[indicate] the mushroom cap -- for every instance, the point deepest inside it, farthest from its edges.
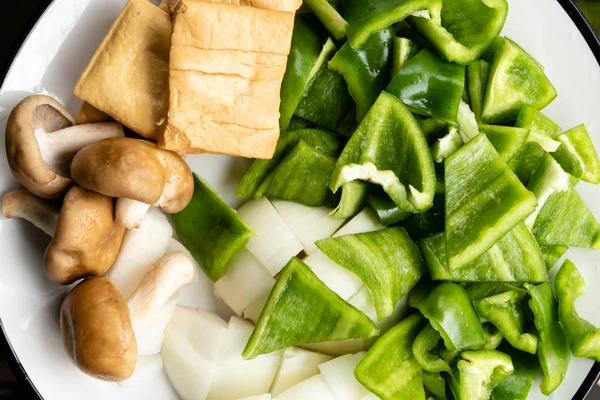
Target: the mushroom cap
(87, 239)
(22, 149)
(97, 332)
(135, 169)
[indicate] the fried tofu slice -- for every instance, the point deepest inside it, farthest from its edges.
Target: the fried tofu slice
(226, 67)
(280, 5)
(88, 114)
(128, 76)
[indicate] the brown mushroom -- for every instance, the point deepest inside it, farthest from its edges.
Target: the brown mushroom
(138, 173)
(97, 332)
(85, 237)
(41, 141)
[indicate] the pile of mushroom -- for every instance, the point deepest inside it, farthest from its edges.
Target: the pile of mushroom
(72, 173)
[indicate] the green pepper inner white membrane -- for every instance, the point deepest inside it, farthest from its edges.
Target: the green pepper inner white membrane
(394, 243)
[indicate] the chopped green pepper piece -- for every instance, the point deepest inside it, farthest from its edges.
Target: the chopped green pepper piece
(426, 341)
(329, 17)
(404, 50)
(389, 149)
(389, 369)
(260, 169)
(552, 253)
(447, 145)
(211, 230)
(365, 69)
(553, 349)
(365, 17)
(519, 383)
(515, 79)
(484, 201)
(507, 141)
(477, 373)
(577, 154)
(435, 383)
(493, 337)
(299, 123)
(300, 310)
(514, 258)
(448, 308)
(464, 29)
(480, 291)
(351, 201)
(387, 261)
(505, 312)
(583, 336)
(302, 177)
(423, 225)
(387, 211)
(477, 76)
(430, 86)
(433, 128)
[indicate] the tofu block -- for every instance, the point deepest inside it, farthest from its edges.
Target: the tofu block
(88, 114)
(128, 76)
(226, 67)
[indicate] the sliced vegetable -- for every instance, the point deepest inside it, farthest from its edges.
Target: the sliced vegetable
(423, 350)
(365, 68)
(507, 141)
(365, 17)
(466, 122)
(315, 387)
(339, 375)
(423, 225)
(553, 349)
(352, 199)
(515, 79)
(505, 311)
(211, 230)
(477, 76)
(387, 261)
(387, 211)
(337, 278)
(449, 310)
(493, 337)
(329, 17)
(477, 373)
(552, 253)
(432, 128)
(447, 145)
(435, 383)
(577, 154)
(583, 336)
(365, 221)
(297, 365)
(404, 50)
(463, 30)
(514, 258)
(389, 369)
(300, 310)
(518, 384)
(484, 201)
(430, 86)
(389, 149)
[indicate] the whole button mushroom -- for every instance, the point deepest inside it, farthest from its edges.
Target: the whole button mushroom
(97, 332)
(138, 173)
(85, 237)
(41, 141)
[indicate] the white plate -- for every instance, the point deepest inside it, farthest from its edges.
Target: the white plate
(52, 58)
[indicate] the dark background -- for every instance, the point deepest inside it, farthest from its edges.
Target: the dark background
(16, 18)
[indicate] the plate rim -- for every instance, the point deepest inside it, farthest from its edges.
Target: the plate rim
(25, 383)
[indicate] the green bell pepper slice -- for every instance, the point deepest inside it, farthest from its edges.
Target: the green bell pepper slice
(446, 145)
(435, 383)
(297, 123)
(484, 201)
(480, 291)
(464, 29)
(514, 258)
(508, 141)
(387, 211)
(260, 169)
(449, 310)
(329, 17)
(518, 384)
(211, 230)
(553, 349)
(477, 76)
(300, 310)
(389, 369)
(389, 149)
(493, 337)
(387, 261)
(505, 311)
(541, 140)
(583, 336)
(420, 226)
(351, 201)
(365, 17)
(477, 373)
(404, 50)
(433, 128)
(301, 177)
(430, 86)
(552, 253)
(423, 350)
(515, 79)
(365, 68)
(577, 154)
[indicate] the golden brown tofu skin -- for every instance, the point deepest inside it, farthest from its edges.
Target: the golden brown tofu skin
(226, 67)
(279, 5)
(88, 114)
(128, 76)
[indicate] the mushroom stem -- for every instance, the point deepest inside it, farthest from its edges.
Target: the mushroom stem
(160, 283)
(41, 213)
(130, 213)
(59, 147)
